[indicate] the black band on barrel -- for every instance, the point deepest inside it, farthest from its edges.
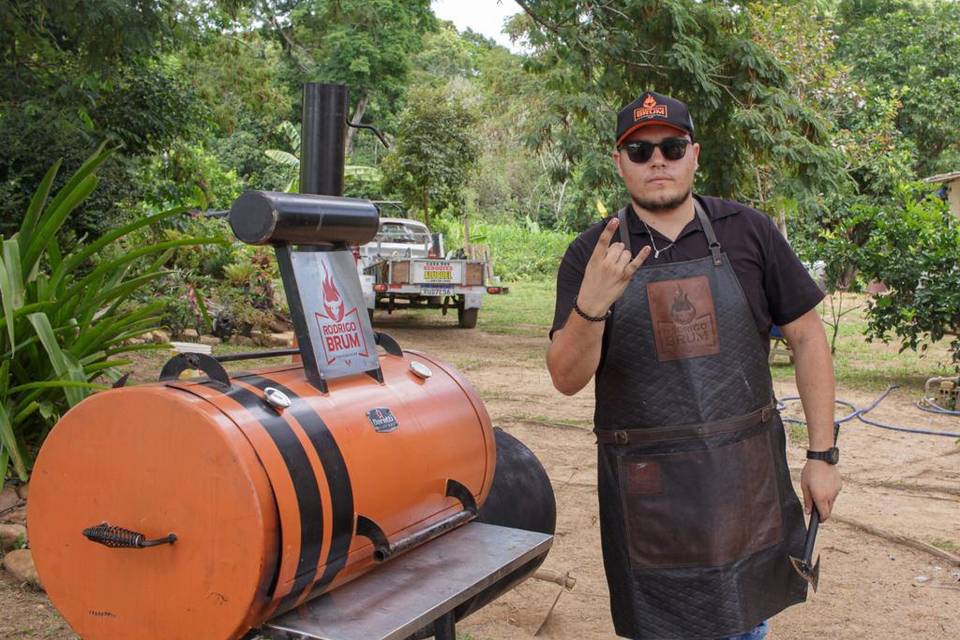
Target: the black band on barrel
(301, 474)
(338, 480)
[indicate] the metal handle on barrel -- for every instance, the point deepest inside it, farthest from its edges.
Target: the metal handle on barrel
(120, 538)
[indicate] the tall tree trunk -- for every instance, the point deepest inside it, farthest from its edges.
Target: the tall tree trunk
(782, 223)
(357, 117)
(559, 208)
(426, 207)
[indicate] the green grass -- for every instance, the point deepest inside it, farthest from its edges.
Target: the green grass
(861, 365)
(797, 433)
(943, 544)
(873, 366)
(534, 418)
(527, 310)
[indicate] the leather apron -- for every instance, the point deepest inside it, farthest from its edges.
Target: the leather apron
(698, 515)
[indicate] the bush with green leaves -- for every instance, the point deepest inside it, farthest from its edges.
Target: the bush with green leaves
(911, 245)
(186, 175)
(68, 315)
(520, 250)
(915, 250)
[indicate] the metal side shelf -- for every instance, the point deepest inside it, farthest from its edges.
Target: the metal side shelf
(419, 588)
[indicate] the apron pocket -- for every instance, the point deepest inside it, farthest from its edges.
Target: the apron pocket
(705, 503)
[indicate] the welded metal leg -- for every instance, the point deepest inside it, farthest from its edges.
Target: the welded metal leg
(443, 628)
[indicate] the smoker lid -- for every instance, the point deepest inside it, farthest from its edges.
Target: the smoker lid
(154, 460)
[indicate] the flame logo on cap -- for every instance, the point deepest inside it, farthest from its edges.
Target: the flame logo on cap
(650, 109)
(332, 302)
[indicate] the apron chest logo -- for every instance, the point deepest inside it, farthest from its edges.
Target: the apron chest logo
(684, 318)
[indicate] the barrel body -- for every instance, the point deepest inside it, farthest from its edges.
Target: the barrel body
(263, 500)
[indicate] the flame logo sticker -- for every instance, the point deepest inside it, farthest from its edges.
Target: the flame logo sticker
(332, 301)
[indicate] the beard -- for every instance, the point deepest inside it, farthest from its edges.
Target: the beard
(665, 202)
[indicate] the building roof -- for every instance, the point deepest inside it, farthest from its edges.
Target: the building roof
(943, 177)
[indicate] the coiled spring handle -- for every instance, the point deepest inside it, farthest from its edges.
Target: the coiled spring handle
(120, 538)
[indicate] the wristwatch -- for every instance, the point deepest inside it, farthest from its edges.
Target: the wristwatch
(830, 456)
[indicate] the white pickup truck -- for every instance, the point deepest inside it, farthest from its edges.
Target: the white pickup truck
(405, 267)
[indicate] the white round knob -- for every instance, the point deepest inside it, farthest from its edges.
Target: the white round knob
(420, 370)
(276, 398)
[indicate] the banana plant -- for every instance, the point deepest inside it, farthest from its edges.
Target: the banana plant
(288, 159)
(66, 317)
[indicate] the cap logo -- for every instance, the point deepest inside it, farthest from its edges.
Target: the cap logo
(650, 109)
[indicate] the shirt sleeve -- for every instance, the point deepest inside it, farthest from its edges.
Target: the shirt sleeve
(791, 292)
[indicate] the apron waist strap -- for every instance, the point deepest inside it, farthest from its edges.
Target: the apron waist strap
(634, 436)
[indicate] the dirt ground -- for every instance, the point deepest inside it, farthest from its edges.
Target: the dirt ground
(870, 586)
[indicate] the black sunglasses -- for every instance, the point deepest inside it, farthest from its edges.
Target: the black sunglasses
(641, 151)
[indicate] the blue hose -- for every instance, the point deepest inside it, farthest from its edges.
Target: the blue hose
(929, 407)
(859, 415)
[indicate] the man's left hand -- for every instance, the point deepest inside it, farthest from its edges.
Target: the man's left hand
(820, 483)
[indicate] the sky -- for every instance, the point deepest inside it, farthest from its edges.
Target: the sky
(483, 16)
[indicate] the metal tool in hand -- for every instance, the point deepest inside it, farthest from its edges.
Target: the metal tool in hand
(802, 565)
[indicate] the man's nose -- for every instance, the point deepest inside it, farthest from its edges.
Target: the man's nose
(658, 158)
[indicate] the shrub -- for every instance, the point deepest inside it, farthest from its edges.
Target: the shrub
(913, 247)
(915, 250)
(520, 251)
(67, 315)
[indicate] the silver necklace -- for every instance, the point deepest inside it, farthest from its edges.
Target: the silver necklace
(653, 245)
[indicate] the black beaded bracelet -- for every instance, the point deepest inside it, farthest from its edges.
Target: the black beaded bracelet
(590, 318)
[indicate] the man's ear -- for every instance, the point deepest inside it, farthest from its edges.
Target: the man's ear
(696, 155)
(616, 161)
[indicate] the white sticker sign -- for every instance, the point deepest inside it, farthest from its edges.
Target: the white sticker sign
(340, 332)
(438, 272)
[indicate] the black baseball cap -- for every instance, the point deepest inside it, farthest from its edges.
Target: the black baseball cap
(653, 108)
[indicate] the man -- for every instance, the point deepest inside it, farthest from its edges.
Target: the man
(669, 304)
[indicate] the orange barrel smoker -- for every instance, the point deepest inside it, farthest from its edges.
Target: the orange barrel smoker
(199, 509)
(268, 503)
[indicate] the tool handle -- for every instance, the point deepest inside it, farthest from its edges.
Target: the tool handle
(811, 539)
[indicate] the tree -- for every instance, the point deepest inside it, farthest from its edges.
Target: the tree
(364, 44)
(911, 243)
(75, 72)
(434, 152)
(602, 55)
(510, 180)
(908, 52)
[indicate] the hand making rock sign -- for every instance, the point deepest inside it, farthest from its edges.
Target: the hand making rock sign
(608, 272)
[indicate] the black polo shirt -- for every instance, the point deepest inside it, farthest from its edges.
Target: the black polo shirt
(777, 286)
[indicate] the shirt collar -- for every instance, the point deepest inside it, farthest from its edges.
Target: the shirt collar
(716, 208)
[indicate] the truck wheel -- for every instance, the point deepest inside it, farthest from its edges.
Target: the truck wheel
(467, 317)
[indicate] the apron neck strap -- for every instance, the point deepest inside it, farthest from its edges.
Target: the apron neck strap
(624, 231)
(708, 230)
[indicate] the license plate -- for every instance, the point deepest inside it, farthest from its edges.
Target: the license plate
(436, 290)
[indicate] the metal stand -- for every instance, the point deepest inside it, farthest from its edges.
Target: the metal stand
(415, 590)
(445, 628)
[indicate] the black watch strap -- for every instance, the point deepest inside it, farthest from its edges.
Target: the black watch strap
(830, 456)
